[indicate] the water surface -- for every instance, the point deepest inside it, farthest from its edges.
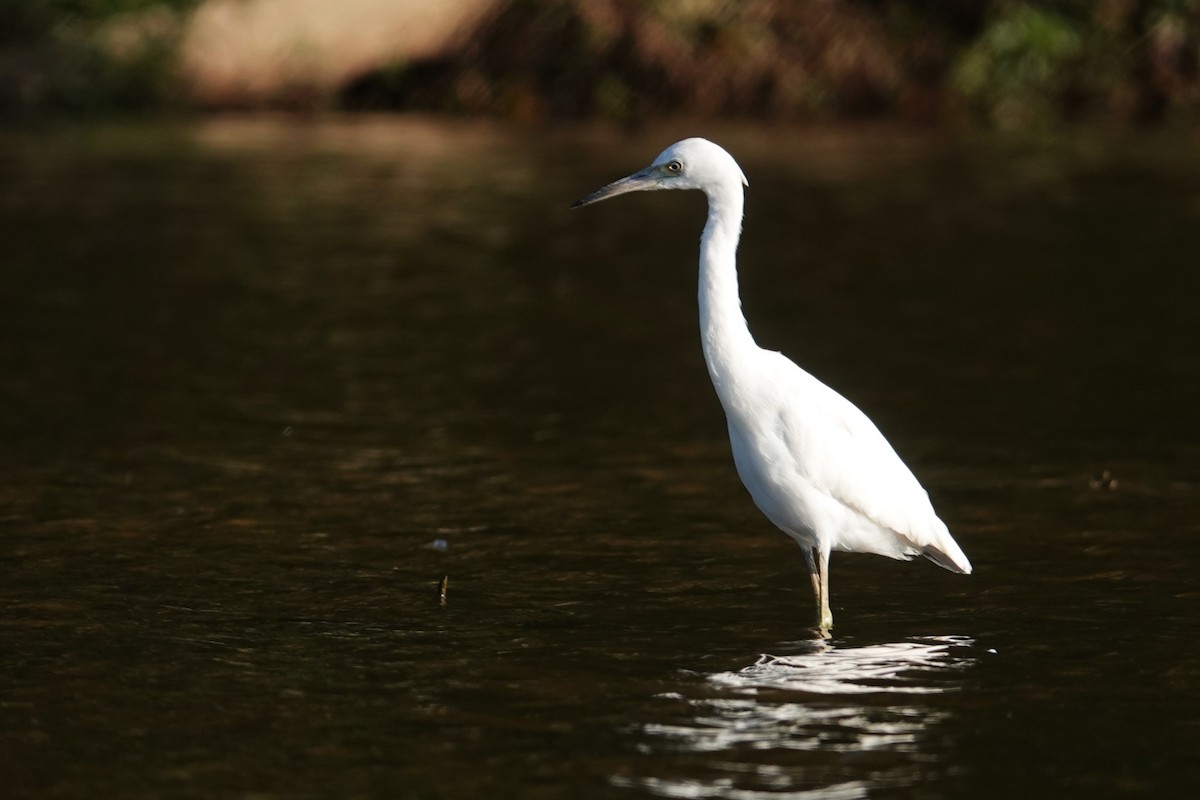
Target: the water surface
(263, 384)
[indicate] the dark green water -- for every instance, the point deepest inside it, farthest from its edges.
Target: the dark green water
(263, 384)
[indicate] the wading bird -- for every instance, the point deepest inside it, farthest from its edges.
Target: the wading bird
(815, 465)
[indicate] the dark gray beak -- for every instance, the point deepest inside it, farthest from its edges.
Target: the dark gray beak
(637, 182)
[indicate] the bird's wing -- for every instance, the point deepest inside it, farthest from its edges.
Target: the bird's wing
(840, 451)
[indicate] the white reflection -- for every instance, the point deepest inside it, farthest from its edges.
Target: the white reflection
(852, 790)
(831, 723)
(895, 668)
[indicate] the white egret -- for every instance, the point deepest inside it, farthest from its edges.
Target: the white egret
(814, 463)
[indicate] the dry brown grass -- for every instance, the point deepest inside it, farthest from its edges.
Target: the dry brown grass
(238, 53)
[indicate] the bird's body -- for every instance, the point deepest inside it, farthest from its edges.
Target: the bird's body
(814, 464)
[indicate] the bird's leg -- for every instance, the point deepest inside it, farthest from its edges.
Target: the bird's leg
(826, 614)
(810, 558)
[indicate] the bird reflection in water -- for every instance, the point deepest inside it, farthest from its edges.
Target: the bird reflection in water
(825, 722)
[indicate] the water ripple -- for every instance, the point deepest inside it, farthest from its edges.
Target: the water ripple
(769, 729)
(895, 668)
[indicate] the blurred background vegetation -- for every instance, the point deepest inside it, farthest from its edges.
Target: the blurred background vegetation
(1008, 63)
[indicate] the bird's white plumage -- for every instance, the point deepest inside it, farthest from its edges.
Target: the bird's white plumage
(814, 464)
(820, 470)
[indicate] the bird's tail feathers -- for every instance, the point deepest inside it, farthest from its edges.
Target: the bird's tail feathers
(951, 558)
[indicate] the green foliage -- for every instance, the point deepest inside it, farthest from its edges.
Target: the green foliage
(1035, 63)
(89, 79)
(1021, 64)
(75, 61)
(31, 20)
(1016, 63)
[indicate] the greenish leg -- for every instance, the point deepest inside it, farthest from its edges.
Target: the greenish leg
(818, 573)
(823, 592)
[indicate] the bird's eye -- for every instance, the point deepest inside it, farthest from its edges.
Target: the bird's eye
(674, 166)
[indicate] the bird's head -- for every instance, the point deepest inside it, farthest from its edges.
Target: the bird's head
(690, 164)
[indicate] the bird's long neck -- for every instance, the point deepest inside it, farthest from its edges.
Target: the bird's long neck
(724, 336)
